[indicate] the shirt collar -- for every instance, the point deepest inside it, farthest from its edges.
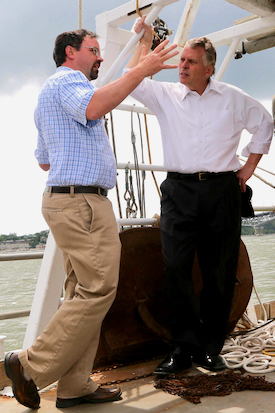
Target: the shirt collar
(212, 85)
(61, 68)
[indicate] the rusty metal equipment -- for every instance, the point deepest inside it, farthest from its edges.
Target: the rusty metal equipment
(136, 326)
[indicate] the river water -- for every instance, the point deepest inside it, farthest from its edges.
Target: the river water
(18, 281)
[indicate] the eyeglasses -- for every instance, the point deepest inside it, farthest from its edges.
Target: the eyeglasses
(93, 49)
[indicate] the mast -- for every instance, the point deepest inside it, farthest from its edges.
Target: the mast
(273, 109)
(80, 14)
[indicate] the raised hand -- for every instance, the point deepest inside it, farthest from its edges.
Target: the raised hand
(154, 62)
(148, 33)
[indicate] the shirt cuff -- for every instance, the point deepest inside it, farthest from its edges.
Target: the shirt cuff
(256, 147)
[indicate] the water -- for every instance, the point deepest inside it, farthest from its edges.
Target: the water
(261, 251)
(18, 281)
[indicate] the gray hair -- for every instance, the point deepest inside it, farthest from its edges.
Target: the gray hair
(210, 51)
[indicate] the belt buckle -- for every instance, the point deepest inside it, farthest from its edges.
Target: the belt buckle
(201, 176)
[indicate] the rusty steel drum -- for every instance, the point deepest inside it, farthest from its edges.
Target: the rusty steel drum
(136, 325)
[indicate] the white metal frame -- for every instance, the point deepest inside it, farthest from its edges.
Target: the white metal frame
(112, 38)
(116, 44)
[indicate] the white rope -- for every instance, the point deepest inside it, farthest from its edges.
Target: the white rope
(259, 363)
(261, 304)
(247, 350)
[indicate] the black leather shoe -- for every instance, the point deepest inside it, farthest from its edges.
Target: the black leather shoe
(209, 362)
(101, 395)
(25, 391)
(173, 363)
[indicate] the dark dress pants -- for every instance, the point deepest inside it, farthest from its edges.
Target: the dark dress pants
(202, 216)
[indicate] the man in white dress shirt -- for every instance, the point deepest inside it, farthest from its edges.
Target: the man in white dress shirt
(201, 123)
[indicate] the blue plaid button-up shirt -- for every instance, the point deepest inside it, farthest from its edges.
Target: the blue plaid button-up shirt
(77, 150)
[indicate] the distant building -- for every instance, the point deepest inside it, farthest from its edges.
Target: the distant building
(40, 246)
(10, 245)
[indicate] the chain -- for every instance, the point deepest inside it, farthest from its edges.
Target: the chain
(127, 194)
(131, 208)
(137, 377)
(134, 207)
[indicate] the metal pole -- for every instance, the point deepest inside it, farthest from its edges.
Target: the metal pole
(273, 109)
(80, 14)
(128, 48)
(186, 22)
(142, 167)
(227, 59)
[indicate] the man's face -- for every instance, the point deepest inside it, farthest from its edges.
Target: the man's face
(86, 59)
(193, 71)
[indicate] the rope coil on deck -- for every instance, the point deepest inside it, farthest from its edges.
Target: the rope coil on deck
(252, 351)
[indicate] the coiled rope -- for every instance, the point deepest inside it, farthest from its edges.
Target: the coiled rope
(252, 350)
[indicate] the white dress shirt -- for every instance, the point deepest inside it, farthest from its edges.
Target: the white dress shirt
(201, 133)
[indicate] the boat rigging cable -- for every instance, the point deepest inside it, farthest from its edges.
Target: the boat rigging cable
(131, 208)
(114, 148)
(143, 173)
(140, 190)
(149, 153)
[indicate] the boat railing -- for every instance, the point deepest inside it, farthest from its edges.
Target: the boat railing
(22, 256)
(15, 314)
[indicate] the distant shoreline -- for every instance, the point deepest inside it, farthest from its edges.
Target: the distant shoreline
(30, 250)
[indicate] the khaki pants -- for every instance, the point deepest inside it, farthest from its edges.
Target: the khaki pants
(84, 227)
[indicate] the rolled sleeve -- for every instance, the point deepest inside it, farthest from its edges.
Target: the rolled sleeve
(260, 123)
(256, 147)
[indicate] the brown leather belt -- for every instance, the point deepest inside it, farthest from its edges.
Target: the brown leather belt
(199, 176)
(77, 190)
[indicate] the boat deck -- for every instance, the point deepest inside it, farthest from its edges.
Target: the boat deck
(139, 395)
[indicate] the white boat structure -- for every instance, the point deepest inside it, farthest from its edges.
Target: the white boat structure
(248, 35)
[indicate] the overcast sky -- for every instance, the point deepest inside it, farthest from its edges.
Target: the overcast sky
(28, 30)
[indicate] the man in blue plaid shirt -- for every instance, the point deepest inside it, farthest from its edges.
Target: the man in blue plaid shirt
(73, 147)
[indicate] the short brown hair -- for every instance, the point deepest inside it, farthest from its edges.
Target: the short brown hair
(74, 39)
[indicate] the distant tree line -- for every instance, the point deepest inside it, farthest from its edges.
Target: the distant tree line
(33, 239)
(41, 237)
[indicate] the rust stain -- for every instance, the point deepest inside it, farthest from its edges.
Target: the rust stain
(182, 43)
